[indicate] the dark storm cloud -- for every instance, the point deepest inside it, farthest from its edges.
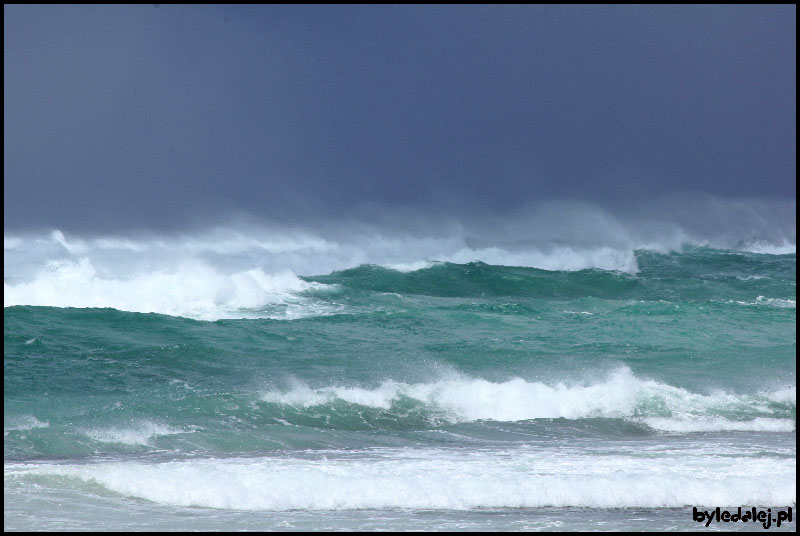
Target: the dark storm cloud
(150, 116)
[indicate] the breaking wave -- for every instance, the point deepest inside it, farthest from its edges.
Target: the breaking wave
(620, 395)
(442, 479)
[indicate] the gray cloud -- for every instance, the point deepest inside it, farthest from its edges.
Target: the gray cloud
(136, 116)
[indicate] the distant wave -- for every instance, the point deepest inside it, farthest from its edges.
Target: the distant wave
(228, 272)
(309, 254)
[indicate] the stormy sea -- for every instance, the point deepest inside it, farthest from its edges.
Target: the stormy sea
(286, 380)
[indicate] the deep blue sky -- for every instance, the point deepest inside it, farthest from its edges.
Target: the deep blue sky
(143, 116)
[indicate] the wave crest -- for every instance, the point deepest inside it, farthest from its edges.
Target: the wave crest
(193, 289)
(621, 395)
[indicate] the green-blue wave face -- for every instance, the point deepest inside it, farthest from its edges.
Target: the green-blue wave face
(697, 341)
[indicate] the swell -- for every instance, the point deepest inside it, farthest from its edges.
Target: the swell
(479, 279)
(696, 274)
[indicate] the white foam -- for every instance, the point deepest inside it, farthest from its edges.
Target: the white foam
(24, 422)
(776, 302)
(303, 396)
(620, 395)
(140, 434)
(446, 479)
(192, 289)
(785, 395)
(761, 301)
(769, 248)
(409, 266)
(717, 424)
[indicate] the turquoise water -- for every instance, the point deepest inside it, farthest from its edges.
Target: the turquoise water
(444, 396)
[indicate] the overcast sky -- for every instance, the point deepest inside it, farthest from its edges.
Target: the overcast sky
(123, 117)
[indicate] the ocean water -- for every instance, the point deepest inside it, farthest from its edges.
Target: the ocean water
(297, 383)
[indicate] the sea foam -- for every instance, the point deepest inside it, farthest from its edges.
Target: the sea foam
(23, 422)
(192, 289)
(444, 479)
(142, 433)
